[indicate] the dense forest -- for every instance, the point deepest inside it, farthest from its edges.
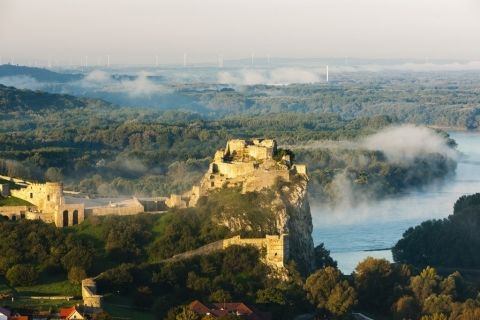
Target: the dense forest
(103, 150)
(445, 99)
(126, 253)
(451, 242)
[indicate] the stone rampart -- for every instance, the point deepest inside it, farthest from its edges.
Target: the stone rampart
(89, 294)
(15, 212)
(276, 248)
(234, 169)
(47, 197)
(133, 207)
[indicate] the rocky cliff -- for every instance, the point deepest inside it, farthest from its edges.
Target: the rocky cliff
(298, 224)
(255, 189)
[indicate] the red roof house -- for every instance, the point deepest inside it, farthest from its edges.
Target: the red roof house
(71, 313)
(217, 310)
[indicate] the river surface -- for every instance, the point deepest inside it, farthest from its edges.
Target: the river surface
(351, 234)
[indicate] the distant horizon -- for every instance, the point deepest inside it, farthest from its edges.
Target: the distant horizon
(259, 62)
(136, 32)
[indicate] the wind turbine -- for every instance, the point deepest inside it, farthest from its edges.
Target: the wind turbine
(327, 72)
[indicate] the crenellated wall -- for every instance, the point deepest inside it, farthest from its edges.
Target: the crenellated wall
(50, 204)
(47, 197)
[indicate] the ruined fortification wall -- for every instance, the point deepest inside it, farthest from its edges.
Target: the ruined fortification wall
(235, 169)
(276, 248)
(260, 153)
(89, 294)
(15, 212)
(176, 200)
(135, 207)
(69, 215)
(47, 197)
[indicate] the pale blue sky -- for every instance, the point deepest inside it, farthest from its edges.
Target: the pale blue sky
(135, 31)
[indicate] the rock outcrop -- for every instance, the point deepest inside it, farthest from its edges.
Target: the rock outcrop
(277, 189)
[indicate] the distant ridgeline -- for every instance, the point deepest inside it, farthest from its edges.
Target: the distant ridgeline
(458, 102)
(39, 74)
(13, 100)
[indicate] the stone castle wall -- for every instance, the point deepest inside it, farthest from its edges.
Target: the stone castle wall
(50, 203)
(232, 170)
(135, 207)
(248, 164)
(15, 212)
(47, 197)
(277, 248)
(89, 294)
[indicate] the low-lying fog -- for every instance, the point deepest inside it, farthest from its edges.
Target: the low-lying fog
(144, 85)
(350, 230)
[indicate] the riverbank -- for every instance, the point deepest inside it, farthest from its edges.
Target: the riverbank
(348, 231)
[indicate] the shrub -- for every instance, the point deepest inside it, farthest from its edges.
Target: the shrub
(22, 275)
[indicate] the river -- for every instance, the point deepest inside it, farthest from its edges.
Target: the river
(351, 234)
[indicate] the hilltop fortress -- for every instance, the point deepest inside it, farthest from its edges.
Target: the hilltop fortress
(251, 165)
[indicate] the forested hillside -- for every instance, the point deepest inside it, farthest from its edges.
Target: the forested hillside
(39, 74)
(18, 102)
(142, 152)
(452, 242)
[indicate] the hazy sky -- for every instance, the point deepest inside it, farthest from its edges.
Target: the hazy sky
(137, 30)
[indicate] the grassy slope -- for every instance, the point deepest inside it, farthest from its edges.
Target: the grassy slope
(49, 286)
(13, 201)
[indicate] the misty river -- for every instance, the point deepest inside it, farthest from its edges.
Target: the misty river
(351, 234)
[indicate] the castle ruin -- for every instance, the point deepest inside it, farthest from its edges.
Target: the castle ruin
(250, 164)
(276, 248)
(47, 202)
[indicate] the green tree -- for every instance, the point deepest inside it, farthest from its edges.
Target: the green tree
(220, 295)
(22, 275)
(53, 175)
(323, 258)
(271, 296)
(436, 316)
(425, 284)
(327, 291)
(406, 308)
(342, 298)
(375, 278)
(76, 275)
(78, 256)
(186, 314)
(435, 304)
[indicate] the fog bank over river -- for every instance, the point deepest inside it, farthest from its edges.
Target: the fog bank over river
(355, 233)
